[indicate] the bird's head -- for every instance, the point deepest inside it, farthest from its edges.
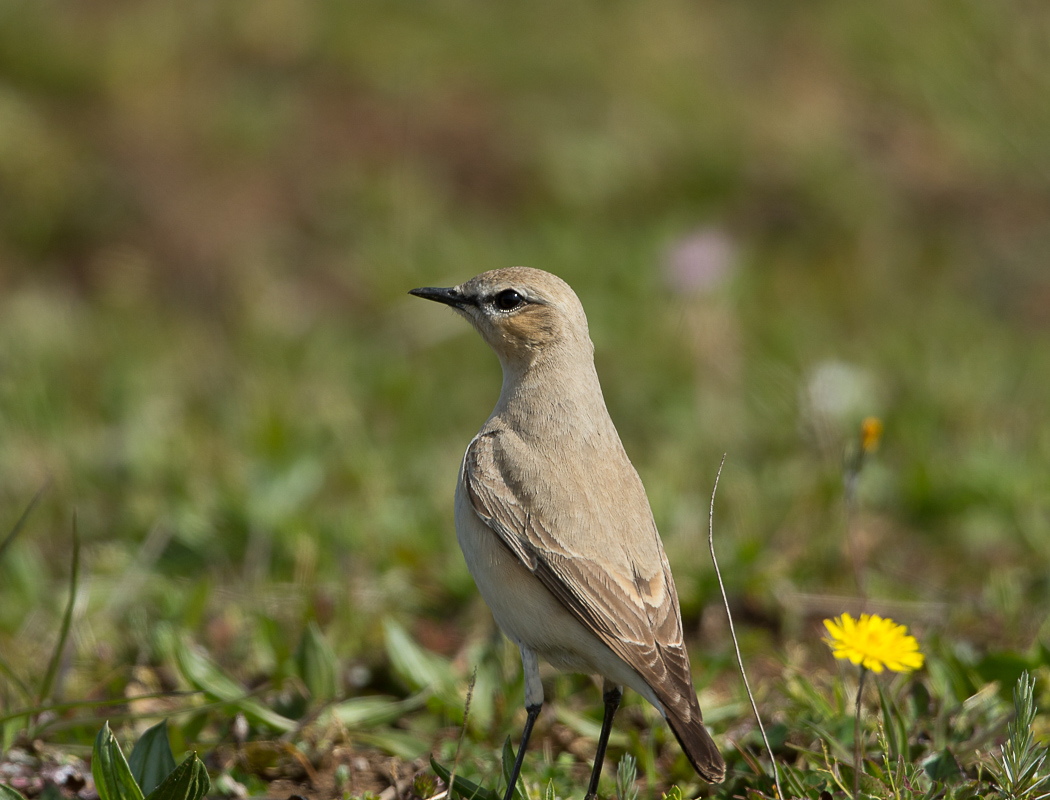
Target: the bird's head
(524, 314)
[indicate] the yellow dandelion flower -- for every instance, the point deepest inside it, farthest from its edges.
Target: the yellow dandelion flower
(874, 643)
(870, 434)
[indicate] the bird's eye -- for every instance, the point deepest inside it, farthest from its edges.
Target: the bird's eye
(508, 300)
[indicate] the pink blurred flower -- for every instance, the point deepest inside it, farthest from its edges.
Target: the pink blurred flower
(700, 261)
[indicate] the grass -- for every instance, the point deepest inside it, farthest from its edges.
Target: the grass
(780, 221)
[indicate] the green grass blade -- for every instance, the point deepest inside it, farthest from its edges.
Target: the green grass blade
(74, 704)
(151, 759)
(113, 778)
(67, 620)
(21, 523)
(188, 781)
(18, 683)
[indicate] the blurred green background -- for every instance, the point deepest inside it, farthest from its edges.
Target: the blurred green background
(781, 218)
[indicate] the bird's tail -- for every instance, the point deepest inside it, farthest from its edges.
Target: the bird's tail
(697, 744)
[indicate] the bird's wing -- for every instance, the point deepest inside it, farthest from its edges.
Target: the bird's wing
(638, 618)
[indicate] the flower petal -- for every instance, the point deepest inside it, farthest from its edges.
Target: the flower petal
(874, 642)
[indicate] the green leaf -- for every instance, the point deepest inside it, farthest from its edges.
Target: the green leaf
(417, 667)
(464, 788)
(1019, 768)
(627, 778)
(206, 676)
(942, 767)
(7, 793)
(587, 727)
(317, 665)
(1004, 667)
(113, 778)
(9, 730)
(893, 725)
(368, 712)
(151, 760)
(508, 766)
(840, 751)
(1043, 657)
(398, 743)
(189, 781)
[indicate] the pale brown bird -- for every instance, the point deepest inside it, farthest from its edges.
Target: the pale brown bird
(554, 522)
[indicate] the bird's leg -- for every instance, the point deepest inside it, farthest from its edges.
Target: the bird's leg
(533, 704)
(612, 695)
(533, 712)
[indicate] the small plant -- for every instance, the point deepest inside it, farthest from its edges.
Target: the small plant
(626, 775)
(1019, 769)
(875, 644)
(150, 773)
(674, 793)
(424, 785)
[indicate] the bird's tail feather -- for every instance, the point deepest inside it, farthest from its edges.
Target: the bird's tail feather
(698, 746)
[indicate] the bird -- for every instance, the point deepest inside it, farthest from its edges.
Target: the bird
(554, 523)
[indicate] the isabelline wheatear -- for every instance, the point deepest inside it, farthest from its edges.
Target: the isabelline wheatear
(554, 522)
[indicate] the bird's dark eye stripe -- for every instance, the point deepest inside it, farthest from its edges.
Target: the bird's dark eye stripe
(507, 300)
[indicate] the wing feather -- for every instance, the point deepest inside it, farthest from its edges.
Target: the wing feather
(638, 618)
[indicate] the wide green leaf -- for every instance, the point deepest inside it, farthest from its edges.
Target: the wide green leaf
(317, 665)
(402, 744)
(417, 667)
(942, 767)
(464, 788)
(508, 766)
(370, 711)
(587, 727)
(189, 781)
(206, 676)
(109, 768)
(151, 759)
(7, 793)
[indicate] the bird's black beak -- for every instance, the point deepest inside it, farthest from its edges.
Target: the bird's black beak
(450, 297)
